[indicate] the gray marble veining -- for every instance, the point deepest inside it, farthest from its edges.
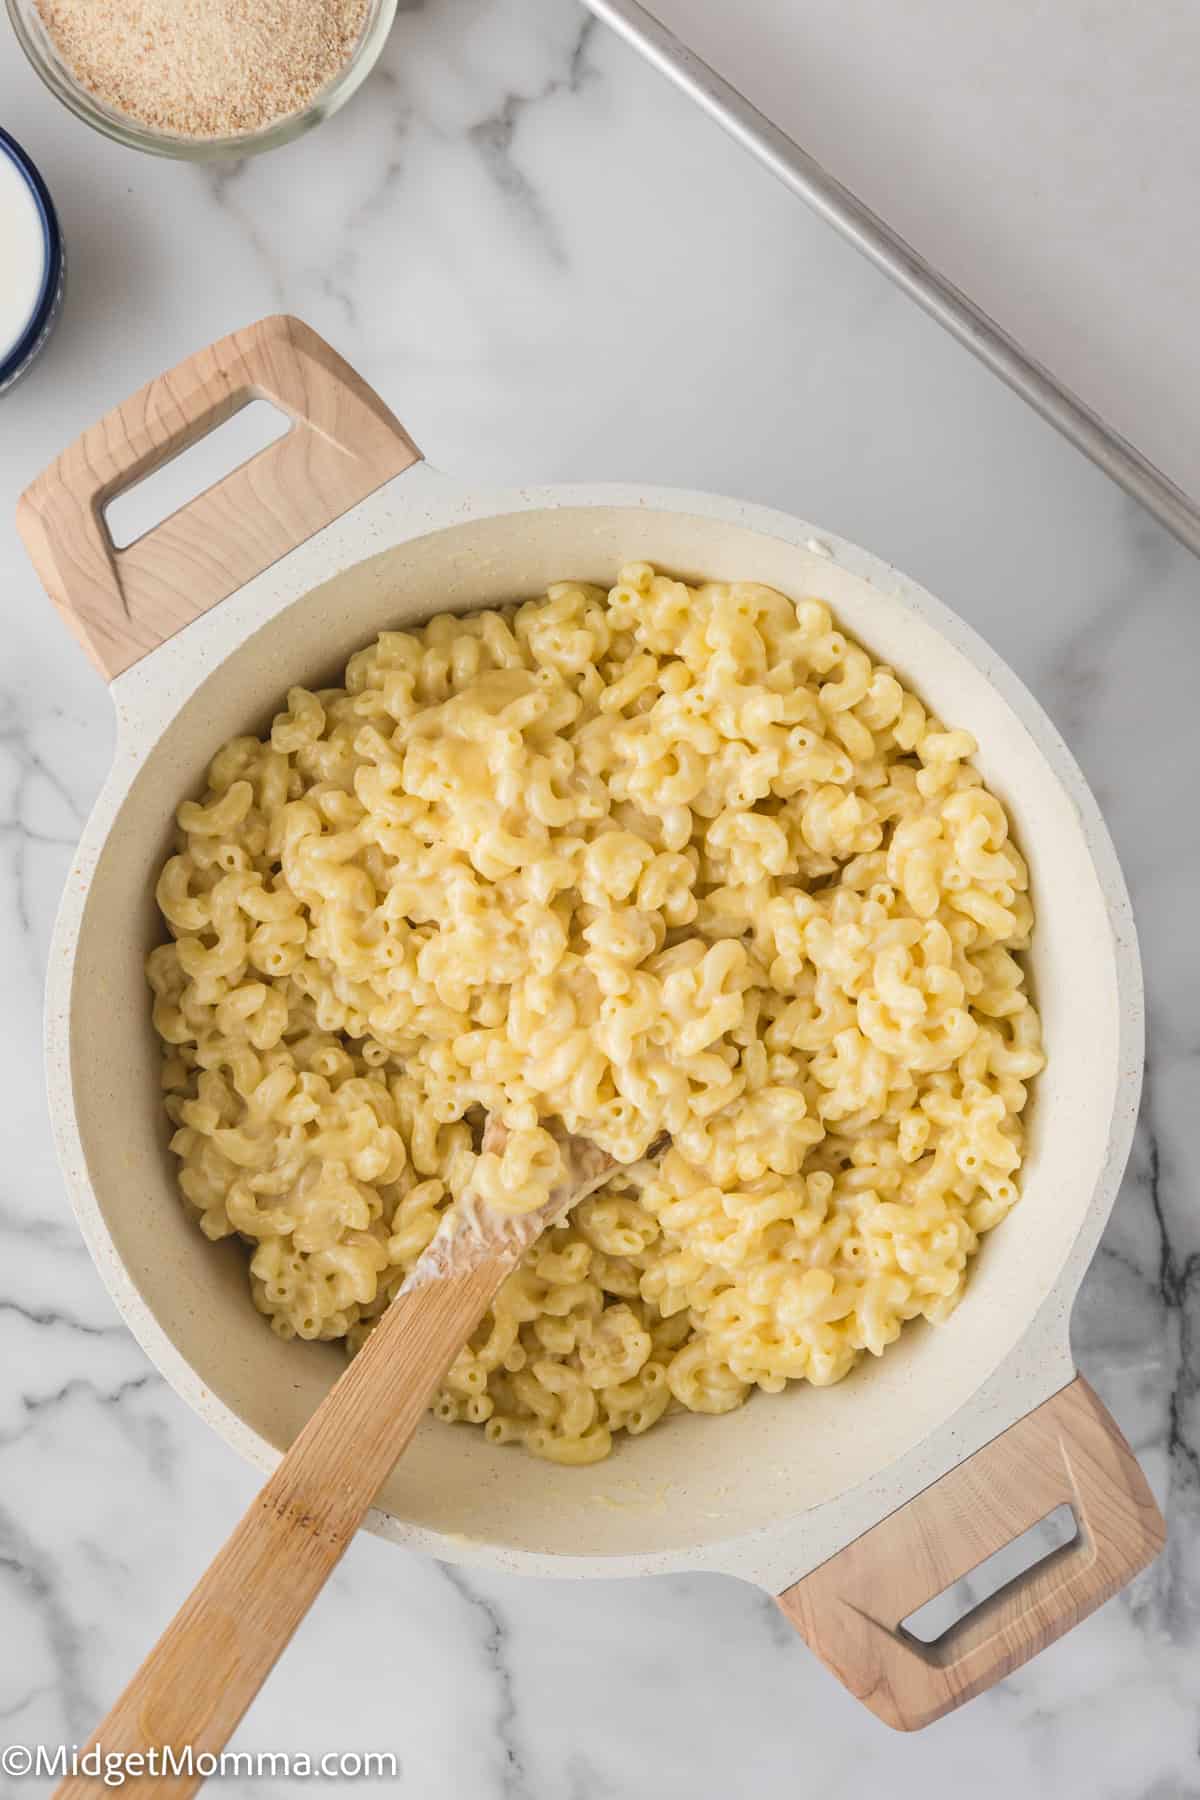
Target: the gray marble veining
(553, 269)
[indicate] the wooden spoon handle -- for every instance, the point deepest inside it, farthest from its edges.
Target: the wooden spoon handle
(210, 1662)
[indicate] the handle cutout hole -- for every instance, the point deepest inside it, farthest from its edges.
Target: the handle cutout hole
(933, 1620)
(166, 491)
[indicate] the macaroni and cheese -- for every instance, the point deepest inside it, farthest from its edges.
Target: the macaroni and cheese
(669, 858)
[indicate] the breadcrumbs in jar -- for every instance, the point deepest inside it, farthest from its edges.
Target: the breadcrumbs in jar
(204, 68)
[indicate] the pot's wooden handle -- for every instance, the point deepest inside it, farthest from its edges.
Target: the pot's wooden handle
(210, 1662)
(342, 445)
(850, 1610)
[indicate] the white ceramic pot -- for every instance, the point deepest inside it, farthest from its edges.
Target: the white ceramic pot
(853, 1504)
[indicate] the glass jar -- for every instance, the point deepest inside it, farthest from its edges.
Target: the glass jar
(40, 48)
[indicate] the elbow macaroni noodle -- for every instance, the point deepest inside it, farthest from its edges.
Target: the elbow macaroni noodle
(667, 859)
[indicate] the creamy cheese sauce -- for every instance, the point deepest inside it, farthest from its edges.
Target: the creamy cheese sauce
(472, 1231)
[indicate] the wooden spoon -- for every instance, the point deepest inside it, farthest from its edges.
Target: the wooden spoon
(210, 1662)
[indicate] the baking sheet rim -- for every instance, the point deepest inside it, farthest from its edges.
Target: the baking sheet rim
(913, 273)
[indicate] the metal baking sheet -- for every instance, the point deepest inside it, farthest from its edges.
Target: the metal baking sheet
(1028, 170)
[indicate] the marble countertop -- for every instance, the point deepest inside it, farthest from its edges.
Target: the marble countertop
(555, 270)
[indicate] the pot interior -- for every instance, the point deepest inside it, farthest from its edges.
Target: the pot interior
(692, 1480)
